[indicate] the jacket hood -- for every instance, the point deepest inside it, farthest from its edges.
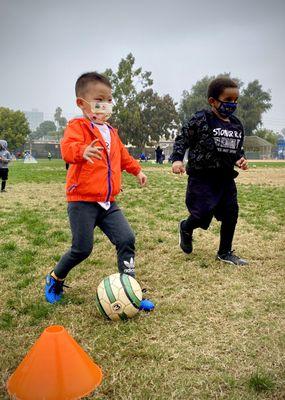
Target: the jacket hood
(3, 144)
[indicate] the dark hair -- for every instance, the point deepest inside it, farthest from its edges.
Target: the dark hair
(84, 79)
(218, 85)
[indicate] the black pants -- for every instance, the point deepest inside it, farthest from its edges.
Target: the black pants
(4, 176)
(84, 217)
(212, 196)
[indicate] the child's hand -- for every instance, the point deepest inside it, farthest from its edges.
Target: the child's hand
(242, 163)
(178, 167)
(142, 179)
(92, 151)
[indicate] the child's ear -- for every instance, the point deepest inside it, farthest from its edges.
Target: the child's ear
(211, 101)
(80, 103)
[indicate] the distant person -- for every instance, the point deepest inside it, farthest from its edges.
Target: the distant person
(5, 158)
(143, 157)
(49, 156)
(97, 158)
(215, 142)
(27, 155)
(158, 154)
(281, 154)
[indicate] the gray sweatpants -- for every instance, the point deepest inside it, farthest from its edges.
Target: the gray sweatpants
(84, 217)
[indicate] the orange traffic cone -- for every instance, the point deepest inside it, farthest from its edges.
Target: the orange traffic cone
(56, 368)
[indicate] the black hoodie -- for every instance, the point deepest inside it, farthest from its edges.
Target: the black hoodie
(214, 145)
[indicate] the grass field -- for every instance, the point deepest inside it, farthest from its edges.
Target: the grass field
(217, 331)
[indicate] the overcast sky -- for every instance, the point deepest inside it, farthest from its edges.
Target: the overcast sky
(46, 45)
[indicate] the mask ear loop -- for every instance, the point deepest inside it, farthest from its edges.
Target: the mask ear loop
(88, 102)
(91, 118)
(221, 101)
(81, 98)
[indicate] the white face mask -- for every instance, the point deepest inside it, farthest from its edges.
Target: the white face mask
(101, 110)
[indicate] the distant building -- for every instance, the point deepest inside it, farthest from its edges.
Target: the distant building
(257, 148)
(40, 149)
(35, 118)
(167, 144)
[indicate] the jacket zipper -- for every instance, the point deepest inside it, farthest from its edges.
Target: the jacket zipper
(109, 179)
(109, 170)
(72, 187)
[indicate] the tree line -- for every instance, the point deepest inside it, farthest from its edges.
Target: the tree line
(51, 129)
(142, 115)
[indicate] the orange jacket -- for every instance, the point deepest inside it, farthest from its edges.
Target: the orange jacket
(100, 181)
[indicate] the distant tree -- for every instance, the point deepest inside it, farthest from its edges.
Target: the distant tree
(253, 102)
(268, 135)
(140, 113)
(150, 117)
(195, 99)
(59, 118)
(14, 127)
(127, 81)
(60, 122)
(46, 128)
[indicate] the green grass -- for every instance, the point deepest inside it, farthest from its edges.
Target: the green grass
(217, 331)
(54, 171)
(43, 171)
(267, 164)
(260, 382)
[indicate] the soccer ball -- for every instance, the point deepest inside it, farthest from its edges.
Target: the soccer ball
(118, 297)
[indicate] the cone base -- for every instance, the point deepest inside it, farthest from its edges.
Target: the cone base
(55, 368)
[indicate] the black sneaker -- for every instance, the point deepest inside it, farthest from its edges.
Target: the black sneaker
(185, 239)
(231, 258)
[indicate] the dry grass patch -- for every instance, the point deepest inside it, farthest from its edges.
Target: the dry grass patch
(263, 176)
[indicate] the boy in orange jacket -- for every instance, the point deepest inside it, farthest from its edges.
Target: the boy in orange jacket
(97, 158)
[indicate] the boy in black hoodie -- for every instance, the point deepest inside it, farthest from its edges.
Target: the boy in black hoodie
(214, 139)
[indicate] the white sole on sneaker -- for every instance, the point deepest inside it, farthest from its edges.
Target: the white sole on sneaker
(230, 262)
(179, 234)
(225, 261)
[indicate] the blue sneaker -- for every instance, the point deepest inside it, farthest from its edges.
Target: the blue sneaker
(53, 289)
(146, 305)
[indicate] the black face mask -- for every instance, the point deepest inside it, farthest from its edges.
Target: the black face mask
(226, 108)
